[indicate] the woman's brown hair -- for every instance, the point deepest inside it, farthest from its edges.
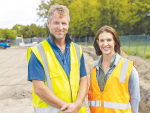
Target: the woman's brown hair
(107, 29)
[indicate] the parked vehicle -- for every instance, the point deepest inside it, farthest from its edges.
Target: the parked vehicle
(4, 44)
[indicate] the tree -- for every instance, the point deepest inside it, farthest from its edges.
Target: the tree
(32, 30)
(81, 17)
(1, 35)
(17, 28)
(87, 16)
(44, 7)
(8, 34)
(139, 20)
(42, 31)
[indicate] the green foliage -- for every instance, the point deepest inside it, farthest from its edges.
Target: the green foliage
(139, 20)
(7, 34)
(18, 28)
(132, 52)
(137, 53)
(44, 7)
(81, 16)
(30, 31)
(147, 55)
(127, 51)
(127, 17)
(1, 35)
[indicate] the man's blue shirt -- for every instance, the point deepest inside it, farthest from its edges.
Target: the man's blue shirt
(36, 70)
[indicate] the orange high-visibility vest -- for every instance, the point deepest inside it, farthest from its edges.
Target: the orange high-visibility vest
(115, 97)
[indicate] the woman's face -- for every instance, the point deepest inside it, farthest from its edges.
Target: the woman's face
(106, 43)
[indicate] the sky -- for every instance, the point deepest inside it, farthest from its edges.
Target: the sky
(22, 12)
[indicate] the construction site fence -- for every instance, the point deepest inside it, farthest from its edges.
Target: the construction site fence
(16, 42)
(136, 43)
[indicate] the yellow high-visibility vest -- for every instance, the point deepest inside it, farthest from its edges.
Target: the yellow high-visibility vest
(56, 78)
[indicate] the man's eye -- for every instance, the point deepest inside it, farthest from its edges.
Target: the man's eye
(64, 23)
(56, 22)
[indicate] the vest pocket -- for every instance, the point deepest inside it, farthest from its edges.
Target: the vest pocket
(55, 74)
(94, 96)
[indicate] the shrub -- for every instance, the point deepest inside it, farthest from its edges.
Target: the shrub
(147, 55)
(132, 52)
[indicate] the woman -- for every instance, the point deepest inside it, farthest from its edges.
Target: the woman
(114, 83)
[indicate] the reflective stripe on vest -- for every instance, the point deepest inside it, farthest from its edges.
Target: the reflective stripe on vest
(112, 105)
(124, 71)
(95, 103)
(44, 59)
(92, 66)
(78, 56)
(49, 83)
(47, 110)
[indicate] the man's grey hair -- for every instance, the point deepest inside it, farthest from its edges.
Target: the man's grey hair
(61, 9)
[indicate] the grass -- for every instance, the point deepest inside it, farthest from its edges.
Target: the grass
(147, 55)
(141, 46)
(137, 52)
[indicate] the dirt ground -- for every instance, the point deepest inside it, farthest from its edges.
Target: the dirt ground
(15, 90)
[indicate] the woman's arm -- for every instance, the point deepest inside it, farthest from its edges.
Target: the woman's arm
(134, 90)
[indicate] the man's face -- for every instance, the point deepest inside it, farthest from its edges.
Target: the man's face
(58, 26)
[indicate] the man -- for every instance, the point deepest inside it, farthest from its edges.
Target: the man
(56, 68)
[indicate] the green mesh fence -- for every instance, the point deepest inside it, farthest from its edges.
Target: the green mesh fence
(134, 43)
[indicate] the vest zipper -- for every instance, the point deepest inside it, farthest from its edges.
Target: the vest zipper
(70, 91)
(102, 103)
(102, 106)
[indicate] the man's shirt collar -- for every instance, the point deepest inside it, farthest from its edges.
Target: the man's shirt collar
(68, 38)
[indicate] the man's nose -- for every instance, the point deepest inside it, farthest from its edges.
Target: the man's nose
(60, 26)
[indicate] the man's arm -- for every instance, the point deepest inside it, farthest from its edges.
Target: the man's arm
(47, 95)
(82, 90)
(74, 107)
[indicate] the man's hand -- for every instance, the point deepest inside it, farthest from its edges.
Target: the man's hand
(74, 107)
(70, 108)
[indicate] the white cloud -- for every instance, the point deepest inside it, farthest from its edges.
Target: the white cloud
(22, 12)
